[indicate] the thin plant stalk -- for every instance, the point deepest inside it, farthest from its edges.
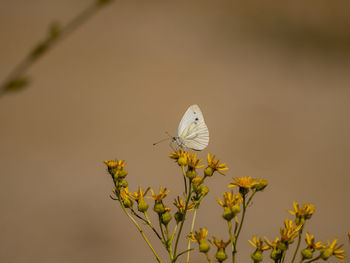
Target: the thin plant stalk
(297, 248)
(19, 71)
(140, 230)
(184, 217)
(189, 241)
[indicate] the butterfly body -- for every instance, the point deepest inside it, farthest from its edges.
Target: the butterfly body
(192, 131)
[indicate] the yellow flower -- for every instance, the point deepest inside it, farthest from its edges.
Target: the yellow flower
(305, 212)
(116, 169)
(333, 250)
(198, 236)
(180, 156)
(214, 165)
(219, 243)
(161, 195)
(243, 182)
(259, 244)
(261, 185)
(310, 241)
(137, 196)
(181, 205)
(193, 162)
(125, 196)
(290, 232)
(116, 164)
(230, 199)
(272, 244)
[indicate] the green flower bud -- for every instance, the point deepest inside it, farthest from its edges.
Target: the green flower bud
(142, 206)
(276, 254)
(307, 253)
(228, 214)
(191, 173)
(182, 161)
(203, 246)
(282, 246)
(220, 255)
(123, 173)
(257, 256)
(208, 171)
(236, 209)
(128, 203)
(204, 190)
(123, 183)
(166, 218)
(261, 185)
(243, 190)
(159, 208)
(326, 253)
(179, 217)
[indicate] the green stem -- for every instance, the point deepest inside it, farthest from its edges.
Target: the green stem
(189, 241)
(174, 231)
(236, 235)
(297, 248)
(283, 256)
(168, 242)
(184, 175)
(312, 260)
(139, 228)
(208, 258)
(161, 229)
(231, 237)
(148, 221)
(184, 217)
(22, 67)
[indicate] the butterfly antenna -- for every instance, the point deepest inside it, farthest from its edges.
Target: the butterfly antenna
(167, 133)
(161, 141)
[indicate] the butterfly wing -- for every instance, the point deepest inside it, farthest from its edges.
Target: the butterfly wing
(192, 114)
(192, 130)
(195, 135)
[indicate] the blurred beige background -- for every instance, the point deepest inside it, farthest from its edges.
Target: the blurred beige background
(271, 78)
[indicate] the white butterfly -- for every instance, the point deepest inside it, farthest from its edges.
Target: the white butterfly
(192, 131)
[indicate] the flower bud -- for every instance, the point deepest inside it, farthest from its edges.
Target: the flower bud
(204, 190)
(243, 190)
(166, 218)
(220, 255)
(276, 254)
(128, 203)
(123, 184)
(236, 209)
(208, 171)
(122, 173)
(257, 256)
(282, 246)
(228, 214)
(179, 217)
(326, 253)
(159, 208)
(191, 173)
(142, 206)
(182, 161)
(203, 246)
(307, 253)
(261, 185)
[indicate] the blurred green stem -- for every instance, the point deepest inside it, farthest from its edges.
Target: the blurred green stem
(189, 241)
(297, 248)
(139, 228)
(16, 79)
